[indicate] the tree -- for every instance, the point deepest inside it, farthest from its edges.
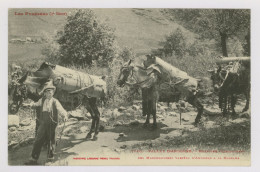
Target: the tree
(219, 24)
(225, 23)
(85, 39)
(174, 43)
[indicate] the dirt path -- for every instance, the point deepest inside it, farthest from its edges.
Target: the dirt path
(123, 138)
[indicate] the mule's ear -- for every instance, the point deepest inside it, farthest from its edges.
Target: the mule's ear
(181, 82)
(23, 78)
(129, 62)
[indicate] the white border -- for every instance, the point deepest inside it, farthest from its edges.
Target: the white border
(254, 5)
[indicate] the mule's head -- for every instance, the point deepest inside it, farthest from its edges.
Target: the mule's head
(124, 73)
(217, 77)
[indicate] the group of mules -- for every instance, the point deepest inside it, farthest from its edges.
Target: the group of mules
(229, 82)
(226, 82)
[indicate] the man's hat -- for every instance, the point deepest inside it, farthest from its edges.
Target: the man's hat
(49, 85)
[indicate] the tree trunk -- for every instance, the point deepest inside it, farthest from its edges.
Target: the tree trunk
(248, 43)
(224, 43)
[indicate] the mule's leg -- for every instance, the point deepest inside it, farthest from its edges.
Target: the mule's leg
(144, 102)
(222, 100)
(153, 111)
(195, 102)
(97, 115)
(145, 106)
(90, 110)
(233, 103)
(247, 94)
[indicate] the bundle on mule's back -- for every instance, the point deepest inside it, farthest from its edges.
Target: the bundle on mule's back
(72, 81)
(189, 85)
(75, 82)
(233, 59)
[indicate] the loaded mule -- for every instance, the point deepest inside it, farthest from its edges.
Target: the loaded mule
(70, 96)
(148, 77)
(230, 81)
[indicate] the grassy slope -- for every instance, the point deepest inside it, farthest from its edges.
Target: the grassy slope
(139, 29)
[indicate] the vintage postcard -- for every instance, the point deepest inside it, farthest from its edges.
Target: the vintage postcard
(129, 86)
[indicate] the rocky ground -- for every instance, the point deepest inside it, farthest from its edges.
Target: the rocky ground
(122, 131)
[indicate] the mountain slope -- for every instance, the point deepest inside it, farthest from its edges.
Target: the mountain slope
(139, 29)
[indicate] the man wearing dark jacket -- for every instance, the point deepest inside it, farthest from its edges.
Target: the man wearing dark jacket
(50, 108)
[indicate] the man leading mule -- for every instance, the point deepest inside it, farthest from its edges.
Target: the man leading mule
(148, 76)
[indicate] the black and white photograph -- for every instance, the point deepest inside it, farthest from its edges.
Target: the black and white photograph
(129, 87)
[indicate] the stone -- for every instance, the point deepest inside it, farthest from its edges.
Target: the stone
(72, 119)
(121, 134)
(128, 114)
(116, 113)
(12, 129)
(25, 122)
(88, 115)
(239, 120)
(136, 107)
(185, 118)
(84, 129)
(108, 113)
(121, 108)
(164, 108)
(13, 121)
(172, 114)
(118, 123)
(160, 116)
(103, 120)
(130, 110)
(123, 146)
(12, 143)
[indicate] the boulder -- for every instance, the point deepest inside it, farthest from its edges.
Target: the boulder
(13, 121)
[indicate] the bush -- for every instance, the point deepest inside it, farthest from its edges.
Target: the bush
(85, 39)
(174, 44)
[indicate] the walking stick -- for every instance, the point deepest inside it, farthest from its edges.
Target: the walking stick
(179, 108)
(58, 141)
(180, 115)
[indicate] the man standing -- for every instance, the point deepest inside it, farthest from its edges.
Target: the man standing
(50, 108)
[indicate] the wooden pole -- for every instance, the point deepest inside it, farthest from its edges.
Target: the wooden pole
(232, 59)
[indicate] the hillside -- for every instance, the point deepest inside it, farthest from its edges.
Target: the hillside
(139, 29)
